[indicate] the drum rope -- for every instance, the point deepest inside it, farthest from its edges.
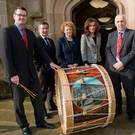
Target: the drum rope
(80, 114)
(106, 78)
(85, 124)
(88, 96)
(93, 78)
(70, 84)
(81, 72)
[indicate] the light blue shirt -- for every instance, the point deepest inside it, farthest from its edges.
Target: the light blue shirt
(121, 32)
(19, 29)
(46, 40)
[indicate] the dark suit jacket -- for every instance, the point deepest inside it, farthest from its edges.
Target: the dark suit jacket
(67, 54)
(51, 51)
(16, 58)
(127, 52)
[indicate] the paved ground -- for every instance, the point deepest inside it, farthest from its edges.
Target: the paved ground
(8, 126)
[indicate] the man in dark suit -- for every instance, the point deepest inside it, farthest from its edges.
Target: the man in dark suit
(19, 45)
(120, 63)
(45, 72)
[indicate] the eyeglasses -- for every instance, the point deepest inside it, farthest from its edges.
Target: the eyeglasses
(23, 15)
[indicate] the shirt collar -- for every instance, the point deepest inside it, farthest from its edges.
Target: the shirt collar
(123, 31)
(44, 37)
(19, 27)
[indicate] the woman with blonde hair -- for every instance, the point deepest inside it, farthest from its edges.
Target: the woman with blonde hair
(91, 42)
(68, 47)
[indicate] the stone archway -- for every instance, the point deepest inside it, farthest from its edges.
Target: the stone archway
(71, 4)
(123, 7)
(3, 14)
(78, 11)
(57, 11)
(60, 11)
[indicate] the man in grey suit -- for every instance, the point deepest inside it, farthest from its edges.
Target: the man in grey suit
(120, 63)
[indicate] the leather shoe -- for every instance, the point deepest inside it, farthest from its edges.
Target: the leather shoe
(26, 131)
(47, 125)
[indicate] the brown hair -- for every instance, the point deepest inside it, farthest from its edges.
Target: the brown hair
(69, 24)
(86, 26)
(43, 23)
(21, 8)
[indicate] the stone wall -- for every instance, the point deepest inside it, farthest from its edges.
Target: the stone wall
(3, 13)
(11, 5)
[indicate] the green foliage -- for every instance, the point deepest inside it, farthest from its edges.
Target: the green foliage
(5, 91)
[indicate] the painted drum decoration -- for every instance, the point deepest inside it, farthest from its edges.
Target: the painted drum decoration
(85, 98)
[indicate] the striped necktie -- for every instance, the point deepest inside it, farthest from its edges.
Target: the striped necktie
(47, 42)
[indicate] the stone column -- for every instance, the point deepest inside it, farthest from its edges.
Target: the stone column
(130, 13)
(3, 13)
(49, 16)
(129, 8)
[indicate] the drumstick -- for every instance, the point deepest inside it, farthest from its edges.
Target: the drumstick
(27, 90)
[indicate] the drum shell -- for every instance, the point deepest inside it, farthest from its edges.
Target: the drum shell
(74, 118)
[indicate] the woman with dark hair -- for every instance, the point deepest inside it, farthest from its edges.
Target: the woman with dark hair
(68, 47)
(91, 42)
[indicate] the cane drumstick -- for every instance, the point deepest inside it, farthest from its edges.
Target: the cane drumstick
(27, 90)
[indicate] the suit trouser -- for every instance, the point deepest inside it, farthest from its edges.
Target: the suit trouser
(47, 81)
(126, 78)
(19, 95)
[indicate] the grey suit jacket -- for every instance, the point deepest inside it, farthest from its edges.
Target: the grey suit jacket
(89, 50)
(127, 51)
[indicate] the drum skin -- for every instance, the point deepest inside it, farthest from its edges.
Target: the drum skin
(85, 98)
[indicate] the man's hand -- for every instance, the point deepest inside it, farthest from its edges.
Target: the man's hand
(69, 65)
(15, 79)
(86, 65)
(54, 66)
(118, 66)
(75, 65)
(72, 65)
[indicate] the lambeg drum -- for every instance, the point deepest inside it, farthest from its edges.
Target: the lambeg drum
(85, 98)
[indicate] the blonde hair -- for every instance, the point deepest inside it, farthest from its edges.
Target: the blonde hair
(69, 24)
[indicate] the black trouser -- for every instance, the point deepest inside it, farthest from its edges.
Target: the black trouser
(47, 81)
(126, 78)
(19, 95)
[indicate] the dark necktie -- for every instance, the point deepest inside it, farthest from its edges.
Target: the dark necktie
(24, 36)
(119, 42)
(47, 42)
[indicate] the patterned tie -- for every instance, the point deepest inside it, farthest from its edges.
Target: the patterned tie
(47, 42)
(24, 36)
(119, 42)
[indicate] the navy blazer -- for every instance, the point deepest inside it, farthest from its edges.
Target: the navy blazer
(68, 54)
(50, 50)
